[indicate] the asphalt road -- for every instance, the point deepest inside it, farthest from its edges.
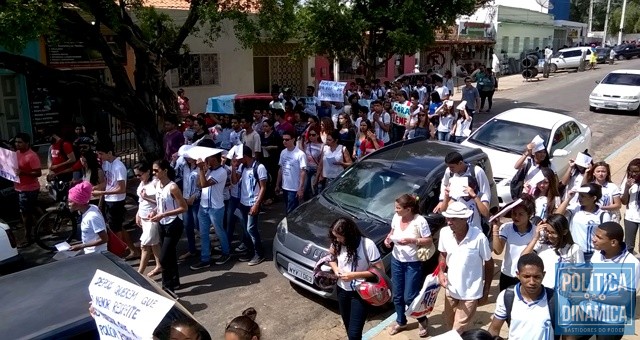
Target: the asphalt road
(220, 293)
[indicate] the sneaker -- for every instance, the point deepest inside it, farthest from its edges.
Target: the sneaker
(222, 260)
(217, 248)
(241, 248)
(245, 258)
(256, 260)
(200, 265)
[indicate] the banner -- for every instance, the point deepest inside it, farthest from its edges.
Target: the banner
(403, 113)
(331, 91)
(8, 165)
(124, 310)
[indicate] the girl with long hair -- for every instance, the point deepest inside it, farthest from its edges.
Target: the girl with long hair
(446, 120)
(534, 158)
(545, 193)
(352, 256)
(243, 327)
(313, 151)
(553, 242)
(326, 128)
(462, 126)
(365, 125)
(631, 198)
(347, 132)
(335, 158)
(600, 173)
(150, 238)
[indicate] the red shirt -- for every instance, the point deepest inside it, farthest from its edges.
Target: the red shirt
(367, 144)
(59, 152)
(28, 161)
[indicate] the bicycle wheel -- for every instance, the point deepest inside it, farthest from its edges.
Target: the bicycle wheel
(55, 227)
(131, 209)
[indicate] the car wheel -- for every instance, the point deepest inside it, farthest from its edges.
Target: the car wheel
(619, 57)
(592, 108)
(553, 68)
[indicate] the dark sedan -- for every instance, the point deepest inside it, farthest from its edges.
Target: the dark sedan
(366, 192)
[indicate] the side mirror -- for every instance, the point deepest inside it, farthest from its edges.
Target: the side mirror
(560, 153)
(597, 82)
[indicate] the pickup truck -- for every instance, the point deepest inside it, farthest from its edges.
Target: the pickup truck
(626, 51)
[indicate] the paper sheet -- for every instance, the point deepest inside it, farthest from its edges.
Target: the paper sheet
(63, 246)
(537, 178)
(462, 105)
(457, 187)
(505, 210)
(201, 152)
(583, 160)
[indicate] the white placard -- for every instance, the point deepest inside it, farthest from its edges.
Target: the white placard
(583, 160)
(457, 187)
(462, 105)
(62, 246)
(537, 178)
(505, 210)
(201, 152)
(331, 91)
(537, 140)
(450, 103)
(8, 165)
(125, 308)
(236, 152)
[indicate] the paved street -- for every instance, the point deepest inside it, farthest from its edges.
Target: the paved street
(217, 295)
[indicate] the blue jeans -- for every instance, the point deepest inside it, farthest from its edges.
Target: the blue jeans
(292, 200)
(459, 139)
(190, 224)
(407, 280)
(230, 225)
(443, 136)
(353, 311)
(206, 217)
(251, 237)
(309, 190)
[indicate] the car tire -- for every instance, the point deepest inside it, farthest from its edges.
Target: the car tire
(592, 108)
(553, 68)
(619, 57)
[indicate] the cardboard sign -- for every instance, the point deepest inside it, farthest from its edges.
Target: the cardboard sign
(331, 91)
(403, 113)
(8, 165)
(124, 310)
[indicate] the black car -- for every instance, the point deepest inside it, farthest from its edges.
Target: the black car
(626, 51)
(366, 192)
(52, 301)
(602, 54)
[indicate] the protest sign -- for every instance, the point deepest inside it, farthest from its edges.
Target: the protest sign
(365, 102)
(8, 165)
(331, 91)
(201, 152)
(403, 113)
(124, 310)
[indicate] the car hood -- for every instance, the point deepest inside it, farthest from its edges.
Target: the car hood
(501, 162)
(617, 90)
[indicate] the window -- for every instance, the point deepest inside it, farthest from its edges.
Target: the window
(527, 42)
(507, 136)
(622, 79)
(571, 131)
(545, 42)
(197, 70)
(516, 44)
(571, 53)
(536, 43)
(560, 139)
(505, 44)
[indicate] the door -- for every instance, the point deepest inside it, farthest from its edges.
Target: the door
(9, 112)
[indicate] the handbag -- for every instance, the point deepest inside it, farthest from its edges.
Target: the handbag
(424, 303)
(424, 253)
(115, 245)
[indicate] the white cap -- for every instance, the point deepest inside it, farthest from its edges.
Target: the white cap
(457, 210)
(538, 143)
(583, 160)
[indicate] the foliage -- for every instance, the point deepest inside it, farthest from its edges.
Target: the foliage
(631, 21)
(22, 21)
(579, 12)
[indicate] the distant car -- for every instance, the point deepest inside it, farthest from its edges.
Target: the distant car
(366, 192)
(603, 54)
(52, 301)
(506, 136)
(618, 90)
(626, 51)
(8, 247)
(568, 58)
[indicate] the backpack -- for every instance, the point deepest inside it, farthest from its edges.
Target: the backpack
(509, 296)
(517, 182)
(255, 172)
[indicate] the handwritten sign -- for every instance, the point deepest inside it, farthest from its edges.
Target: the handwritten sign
(403, 113)
(331, 91)
(124, 310)
(8, 165)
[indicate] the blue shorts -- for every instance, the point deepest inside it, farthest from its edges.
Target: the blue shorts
(28, 201)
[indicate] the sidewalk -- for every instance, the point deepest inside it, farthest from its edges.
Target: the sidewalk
(618, 162)
(508, 82)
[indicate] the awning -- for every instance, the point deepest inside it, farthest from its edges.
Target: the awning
(221, 104)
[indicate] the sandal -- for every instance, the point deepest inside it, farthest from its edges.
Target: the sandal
(154, 272)
(395, 329)
(423, 331)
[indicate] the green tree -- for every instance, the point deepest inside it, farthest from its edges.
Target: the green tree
(579, 12)
(631, 21)
(157, 41)
(373, 31)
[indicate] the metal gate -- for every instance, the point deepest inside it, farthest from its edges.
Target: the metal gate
(125, 144)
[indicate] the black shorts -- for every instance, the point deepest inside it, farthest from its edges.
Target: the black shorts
(28, 200)
(114, 213)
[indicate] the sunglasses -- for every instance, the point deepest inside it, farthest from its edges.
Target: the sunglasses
(286, 139)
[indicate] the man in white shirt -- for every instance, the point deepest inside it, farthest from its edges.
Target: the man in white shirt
(381, 121)
(236, 134)
(115, 194)
(458, 168)
(250, 137)
(465, 252)
(422, 91)
(311, 102)
(443, 91)
(292, 173)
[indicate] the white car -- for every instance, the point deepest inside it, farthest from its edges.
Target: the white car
(8, 248)
(505, 137)
(618, 90)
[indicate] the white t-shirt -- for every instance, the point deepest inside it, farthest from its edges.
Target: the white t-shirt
(252, 140)
(385, 118)
(113, 172)
(250, 186)
(417, 228)
(145, 207)
(462, 125)
(366, 257)
(330, 170)
(465, 262)
(583, 226)
(213, 196)
(541, 205)
(446, 123)
(481, 178)
(609, 192)
(575, 182)
(443, 91)
(291, 164)
(529, 320)
(632, 213)
(515, 244)
(571, 253)
(91, 225)
(166, 202)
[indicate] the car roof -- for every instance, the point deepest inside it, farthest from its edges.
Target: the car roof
(574, 48)
(419, 156)
(535, 117)
(626, 71)
(47, 300)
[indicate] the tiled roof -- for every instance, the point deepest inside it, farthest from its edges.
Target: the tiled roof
(169, 4)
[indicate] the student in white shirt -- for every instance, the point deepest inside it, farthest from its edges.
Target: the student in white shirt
(474, 199)
(381, 121)
(513, 237)
(446, 120)
(464, 250)
(631, 198)
(457, 167)
(92, 225)
(533, 159)
(530, 315)
(150, 238)
(600, 173)
(462, 126)
(292, 173)
(545, 193)
(552, 241)
(572, 179)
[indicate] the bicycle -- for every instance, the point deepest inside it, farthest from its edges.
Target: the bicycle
(58, 224)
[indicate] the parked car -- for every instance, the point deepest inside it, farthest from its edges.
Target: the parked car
(8, 247)
(626, 51)
(618, 90)
(51, 301)
(366, 192)
(568, 58)
(603, 54)
(506, 136)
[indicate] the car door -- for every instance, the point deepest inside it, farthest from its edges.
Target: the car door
(576, 139)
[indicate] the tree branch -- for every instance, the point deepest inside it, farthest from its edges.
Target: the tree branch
(187, 27)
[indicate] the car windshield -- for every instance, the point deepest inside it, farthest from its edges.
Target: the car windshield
(622, 79)
(369, 186)
(508, 136)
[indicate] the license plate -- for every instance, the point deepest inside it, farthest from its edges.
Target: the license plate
(610, 104)
(299, 272)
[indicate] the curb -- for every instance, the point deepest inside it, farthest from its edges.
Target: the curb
(622, 148)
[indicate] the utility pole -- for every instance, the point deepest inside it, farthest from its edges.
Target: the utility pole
(606, 24)
(590, 29)
(624, 9)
